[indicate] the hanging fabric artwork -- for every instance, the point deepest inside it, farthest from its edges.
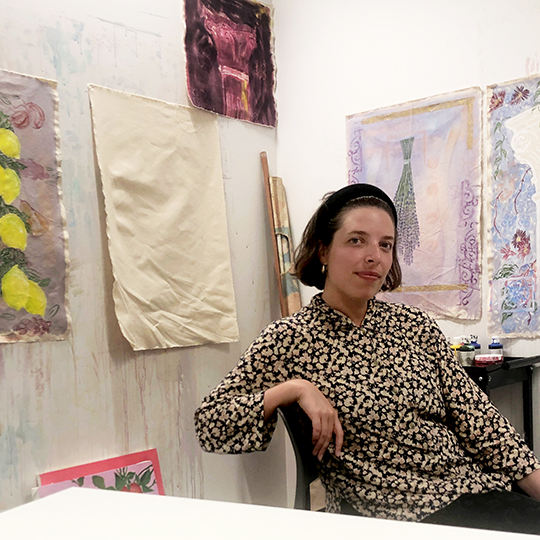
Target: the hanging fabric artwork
(160, 168)
(230, 67)
(33, 247)
(513, 194)
(426, 155)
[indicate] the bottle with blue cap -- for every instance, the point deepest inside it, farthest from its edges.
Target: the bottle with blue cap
(475, 344)
(495, 346)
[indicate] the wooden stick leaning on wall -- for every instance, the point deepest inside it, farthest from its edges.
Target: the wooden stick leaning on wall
(289, 290)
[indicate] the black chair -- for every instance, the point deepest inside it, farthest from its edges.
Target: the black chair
(298, 427)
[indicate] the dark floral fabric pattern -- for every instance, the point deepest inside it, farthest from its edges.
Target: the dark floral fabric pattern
(418, 431)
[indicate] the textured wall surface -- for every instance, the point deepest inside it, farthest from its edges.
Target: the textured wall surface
(91, 397)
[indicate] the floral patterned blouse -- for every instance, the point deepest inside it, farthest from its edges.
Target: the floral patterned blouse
(418, 432)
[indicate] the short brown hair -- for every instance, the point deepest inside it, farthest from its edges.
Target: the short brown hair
(319, 234)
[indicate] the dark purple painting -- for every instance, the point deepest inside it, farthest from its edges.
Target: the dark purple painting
(230, 68)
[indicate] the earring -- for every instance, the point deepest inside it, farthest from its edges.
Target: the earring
(324, 268)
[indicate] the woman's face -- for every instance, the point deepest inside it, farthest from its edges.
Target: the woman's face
(359, 256)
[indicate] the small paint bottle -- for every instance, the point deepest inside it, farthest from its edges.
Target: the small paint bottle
(455, 344)
(465, 353)
(496, 346)
(475, 344)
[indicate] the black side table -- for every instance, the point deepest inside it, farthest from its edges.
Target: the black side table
(513, 370)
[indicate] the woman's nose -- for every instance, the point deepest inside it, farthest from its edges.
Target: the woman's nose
(373, 253)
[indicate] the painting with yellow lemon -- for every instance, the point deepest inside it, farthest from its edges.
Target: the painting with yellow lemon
(33, 252)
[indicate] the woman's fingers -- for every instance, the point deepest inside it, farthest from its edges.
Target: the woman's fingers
(324, 418)
(325, 426)
(329, 432)
(320, 437)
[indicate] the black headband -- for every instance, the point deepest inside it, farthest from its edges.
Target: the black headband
(340, 198)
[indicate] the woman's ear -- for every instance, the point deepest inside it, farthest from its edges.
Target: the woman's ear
(323, 250)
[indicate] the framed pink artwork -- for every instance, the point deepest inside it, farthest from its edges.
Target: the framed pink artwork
(136, 473)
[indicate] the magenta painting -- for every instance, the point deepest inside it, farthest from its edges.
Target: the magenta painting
(230, 69)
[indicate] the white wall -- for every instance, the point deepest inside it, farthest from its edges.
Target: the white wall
(347, 56)
(92, 397)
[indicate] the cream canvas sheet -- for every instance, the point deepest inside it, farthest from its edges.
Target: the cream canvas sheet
(161, 174)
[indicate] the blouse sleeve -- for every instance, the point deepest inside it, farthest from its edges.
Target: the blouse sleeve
(231, 418)
(482, 430)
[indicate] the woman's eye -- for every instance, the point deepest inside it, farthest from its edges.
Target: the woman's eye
(386, 245)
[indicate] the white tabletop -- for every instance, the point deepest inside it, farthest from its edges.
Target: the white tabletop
(82, 514)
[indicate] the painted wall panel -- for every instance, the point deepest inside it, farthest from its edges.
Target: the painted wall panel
(92, 397)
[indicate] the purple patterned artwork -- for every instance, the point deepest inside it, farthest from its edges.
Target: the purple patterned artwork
(426, 156)
(230, 67)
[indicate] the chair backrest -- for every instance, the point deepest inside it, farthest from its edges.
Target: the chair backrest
(299, 428)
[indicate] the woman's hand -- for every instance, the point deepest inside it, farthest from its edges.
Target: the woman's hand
(323, 416)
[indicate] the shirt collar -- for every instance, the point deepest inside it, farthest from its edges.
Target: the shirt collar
(335, 317)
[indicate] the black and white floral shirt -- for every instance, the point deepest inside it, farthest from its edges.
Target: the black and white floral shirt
(418, 431)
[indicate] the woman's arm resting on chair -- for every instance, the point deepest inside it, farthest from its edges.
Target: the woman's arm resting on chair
(531, 484)
(323, 416)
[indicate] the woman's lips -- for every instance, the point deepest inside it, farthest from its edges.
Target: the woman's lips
(373, 276)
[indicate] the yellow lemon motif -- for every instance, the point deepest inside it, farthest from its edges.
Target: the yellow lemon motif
(13, 231)
(9, 143)
(10, 184)
(37, 301)
(15, 288)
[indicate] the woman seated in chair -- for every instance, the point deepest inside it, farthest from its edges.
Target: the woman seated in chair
(399, 428)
